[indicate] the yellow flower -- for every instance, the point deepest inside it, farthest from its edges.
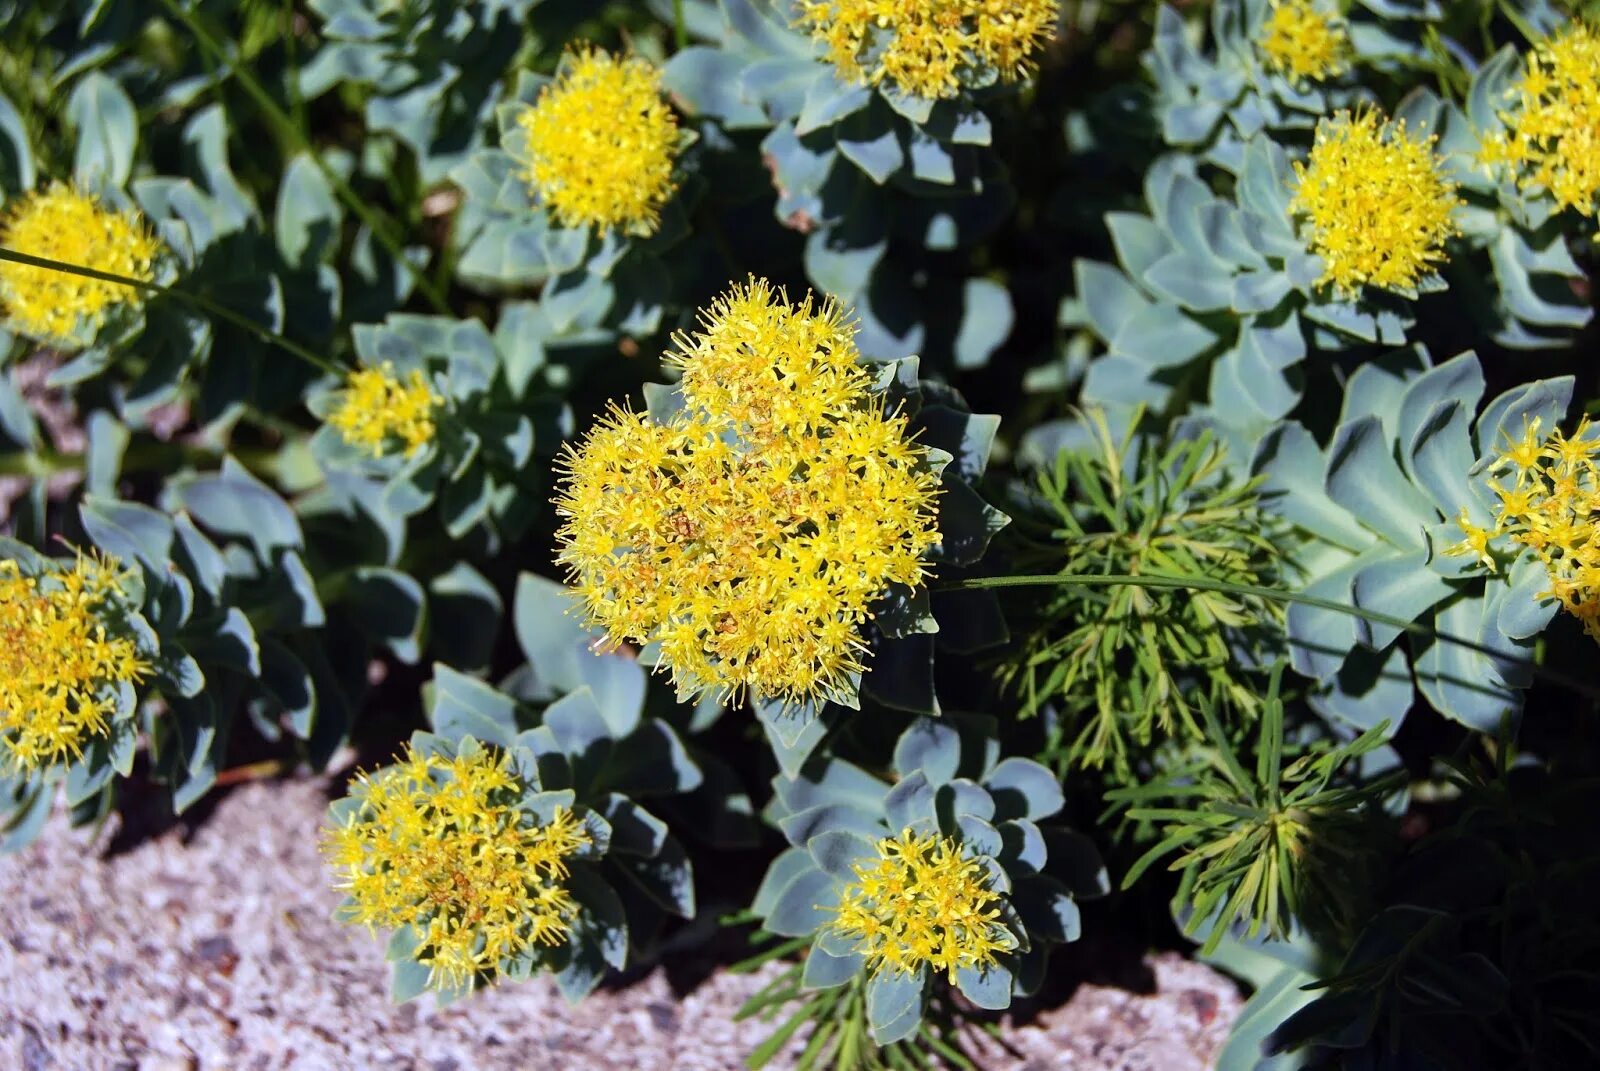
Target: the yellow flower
(376, 407)
(1552, 140)
(443, 846)
(61, 661)
(1551, 507)
(930, 48)
(923, 902)
(1303, 42)
(751, 535)
(601, 143)
(1476, 542)
(1377, 206)
(69, 225)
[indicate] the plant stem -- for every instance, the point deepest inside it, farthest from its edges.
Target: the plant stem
(1197, 583)
(287, 128)
(255, 771)
(141, 457)
(297, 100)
(199, 301)
(680, 28)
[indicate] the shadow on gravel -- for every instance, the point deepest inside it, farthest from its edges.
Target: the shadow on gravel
(145, 812)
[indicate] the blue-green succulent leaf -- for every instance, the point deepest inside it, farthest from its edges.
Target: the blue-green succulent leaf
(1023, 788)
(891, 997)
(988, 987)
(931, 746)
(805, 904)
(824, 970)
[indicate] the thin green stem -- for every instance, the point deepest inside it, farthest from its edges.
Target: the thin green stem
(141, 457)
(287, 129)
(1196, 583)
(199, 301)
(1524, 27)
(297, 100)
(680, 27)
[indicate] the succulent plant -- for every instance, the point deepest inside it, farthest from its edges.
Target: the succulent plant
(954, 815)
(490, 405)
(1377, 509)
(861, 170)
(596, 746)
(599, 281)
(431, 70)
(1231, 283)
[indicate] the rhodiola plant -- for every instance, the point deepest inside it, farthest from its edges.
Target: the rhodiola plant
(530, 215)
(879, 144)
(949, 874)
(1380, 507)
(781, 460)
(616, 425)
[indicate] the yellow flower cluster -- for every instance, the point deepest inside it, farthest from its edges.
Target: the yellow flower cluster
(601, 143)
(442, 846)
(1303, 42)
(1553, 138)
(930, 48)
(69, 225)
(751, 535)
(922, 902)
(60, 664)
(1549, 491)
(376, 406)
(1377, 206)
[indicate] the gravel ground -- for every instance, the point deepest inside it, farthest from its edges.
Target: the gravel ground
(212, 946)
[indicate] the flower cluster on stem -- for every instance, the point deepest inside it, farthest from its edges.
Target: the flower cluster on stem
(750, 535)
(1549, 502)
(600, 143)
(1552, 138)
(61, 222)
(1376, 204)
(930, 48)
(377, 407)
(1304, 41)
(923, 902)
(64, 657)
(444, 846)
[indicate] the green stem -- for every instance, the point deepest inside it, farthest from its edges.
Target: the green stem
(1524, 27)
(141, 457)
(680, 27)
(297, 100)
(287, 128)
(199, 301)
(1196, 583)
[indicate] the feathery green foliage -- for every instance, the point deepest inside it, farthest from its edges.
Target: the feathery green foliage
(1120, 667)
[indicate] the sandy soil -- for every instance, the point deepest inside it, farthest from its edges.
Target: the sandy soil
(211, 946)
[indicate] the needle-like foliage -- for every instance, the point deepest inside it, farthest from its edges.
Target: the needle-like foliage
(1124, 666)
(1282, 844)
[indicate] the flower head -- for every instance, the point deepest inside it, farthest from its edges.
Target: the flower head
(1377, 206)
(69, 225)
(64, 656)
(751, 535)
(601, 143)
(377, 407)
(443, 845)
(930, 48)
(1552, 140)
(922, 901)
(1303, 42)
(1549, 502)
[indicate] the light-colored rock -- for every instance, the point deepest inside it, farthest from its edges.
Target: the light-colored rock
(213, 948)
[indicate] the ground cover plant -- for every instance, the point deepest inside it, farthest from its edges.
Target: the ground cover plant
(961, 472)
